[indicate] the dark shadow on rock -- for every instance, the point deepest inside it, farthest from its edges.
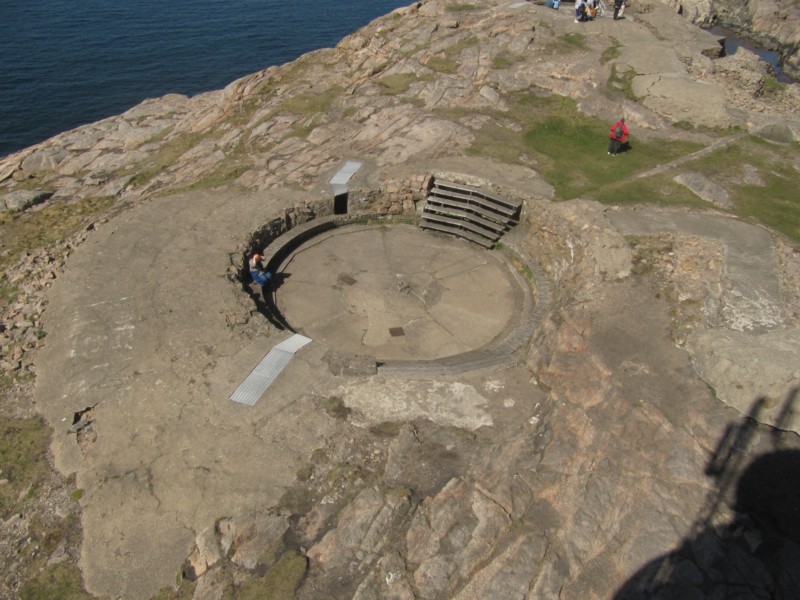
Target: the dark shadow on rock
(278, 279)
(272, 312)
(757, 553)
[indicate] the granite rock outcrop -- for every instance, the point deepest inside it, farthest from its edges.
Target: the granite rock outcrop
(604, 446)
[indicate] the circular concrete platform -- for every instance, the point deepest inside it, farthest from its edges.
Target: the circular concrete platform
(397, 292)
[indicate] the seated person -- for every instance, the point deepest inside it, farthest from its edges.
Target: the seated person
(257, 271)
(581, 14)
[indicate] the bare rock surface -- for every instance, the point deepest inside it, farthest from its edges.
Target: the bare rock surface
(597, 451)
(705, 189)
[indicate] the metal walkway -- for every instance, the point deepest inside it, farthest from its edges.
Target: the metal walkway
(267, 370)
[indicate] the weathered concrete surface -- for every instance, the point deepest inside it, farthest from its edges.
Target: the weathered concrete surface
(561, 477)
(350, 288)
(753, 297)
(742, 367)
(140, 334)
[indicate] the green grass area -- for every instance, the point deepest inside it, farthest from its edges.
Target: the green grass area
(442, 64)
(29, 231)
(773, 87)
(575, 40)
(396, 83)
(461, 7)
(570, 149)
(776, 203)
(23, 460)
(448, 61)
(185, 591)
(311, 103)
(61, 581)
(280, 582)
(578, 164)
(622, 82)
(505, 60)
(611, 52)
(658, 190)
(164, 158)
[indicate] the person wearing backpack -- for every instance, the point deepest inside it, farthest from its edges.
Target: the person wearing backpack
(617, 137)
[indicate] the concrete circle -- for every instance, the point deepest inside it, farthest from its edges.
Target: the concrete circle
(397, 292)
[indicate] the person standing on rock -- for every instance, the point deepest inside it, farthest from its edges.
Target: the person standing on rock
(617, 137)
(619, 9)
(257, 271)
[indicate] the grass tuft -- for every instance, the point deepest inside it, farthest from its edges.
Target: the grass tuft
(23, 459)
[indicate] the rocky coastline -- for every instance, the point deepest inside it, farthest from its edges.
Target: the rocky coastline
(596, 462)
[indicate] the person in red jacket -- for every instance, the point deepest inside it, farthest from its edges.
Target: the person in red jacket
(618, 136)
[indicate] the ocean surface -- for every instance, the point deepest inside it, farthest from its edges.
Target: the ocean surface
(65, 63)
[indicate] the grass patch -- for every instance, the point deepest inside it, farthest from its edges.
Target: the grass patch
(310, 103)
(335, 407)
(622, 82)
(220, 176)
(319, 456)
(386, 428)
(563, 140)
(775, 203)
(610, 53)
(296, 500)
(61, 581)
(773, 87)
(442, 64)
(396, 83)
(461, 7)
(184, 591)
(575, 40)
(29, 231)
(166, 156)
(305, 472)
(505, 60)
(447, 61)
(280, 582)
(659, 190)
(570, 151)
(23, 459)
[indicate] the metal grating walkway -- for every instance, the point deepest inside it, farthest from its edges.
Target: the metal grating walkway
(267, 370)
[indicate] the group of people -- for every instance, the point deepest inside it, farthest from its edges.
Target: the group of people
(586, 10)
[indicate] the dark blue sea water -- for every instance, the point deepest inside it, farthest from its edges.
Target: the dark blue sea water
(67, 63)
(733, 42)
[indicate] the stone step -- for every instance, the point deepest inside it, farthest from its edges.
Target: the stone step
(506, 208)
(465, 215)
(456, 222)
(473, 208)
(468, 235)
(502, 209)
(473, 191)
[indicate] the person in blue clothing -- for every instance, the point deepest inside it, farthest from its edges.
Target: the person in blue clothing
(257, 271)
(580, 11)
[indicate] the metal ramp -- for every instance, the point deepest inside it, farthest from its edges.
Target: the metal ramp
(267, 370)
